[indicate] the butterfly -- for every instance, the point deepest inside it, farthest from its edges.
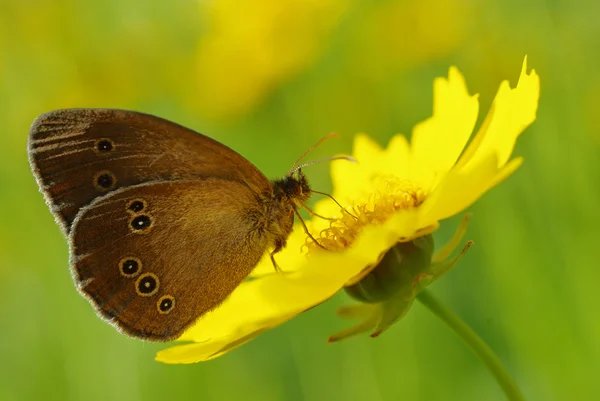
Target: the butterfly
(163, 223)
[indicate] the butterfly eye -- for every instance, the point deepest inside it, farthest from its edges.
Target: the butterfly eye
(141, 224)
(104, 180)
(165, 304)
(147, 284)
(104, 145)
(130, 267)
(136, 205)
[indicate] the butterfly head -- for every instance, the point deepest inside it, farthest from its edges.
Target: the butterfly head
(293, 187)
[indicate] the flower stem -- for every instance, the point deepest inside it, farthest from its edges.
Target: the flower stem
(483, 351)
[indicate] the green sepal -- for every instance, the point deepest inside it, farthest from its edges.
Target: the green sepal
(389, 290)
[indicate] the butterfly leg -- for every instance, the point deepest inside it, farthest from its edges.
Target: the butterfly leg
(309, 210)
(275, 265)
(279, 245)
(308, 232)
(336, 202)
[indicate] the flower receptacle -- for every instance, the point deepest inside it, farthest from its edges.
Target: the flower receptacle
(395, 275)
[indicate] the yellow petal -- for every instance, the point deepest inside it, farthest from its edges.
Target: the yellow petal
(289, 259)
(398, 155)
(349, 180)
(438, 141)
(366, 148)
(263, 303)
(506, 171)
(396, 158)
(352, 181)
(197, 352)
(512, 111)
(458, 191)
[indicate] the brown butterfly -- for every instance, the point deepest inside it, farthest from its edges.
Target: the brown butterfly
(163, 223)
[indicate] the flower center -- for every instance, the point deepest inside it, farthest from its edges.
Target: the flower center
(390, 195)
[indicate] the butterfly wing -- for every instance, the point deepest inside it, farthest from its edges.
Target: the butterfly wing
(80, 154)
(154, 257)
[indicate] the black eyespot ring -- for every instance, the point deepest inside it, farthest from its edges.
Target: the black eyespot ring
(130, 266)
(104, 145)
(141, 224)
(104, 180)
(147, 284)
(165, 304)
(137, 205)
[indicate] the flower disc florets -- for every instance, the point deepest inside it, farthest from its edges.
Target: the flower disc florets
(390, 195)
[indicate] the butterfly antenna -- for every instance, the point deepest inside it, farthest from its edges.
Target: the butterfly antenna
(327, 159)
(326, 137)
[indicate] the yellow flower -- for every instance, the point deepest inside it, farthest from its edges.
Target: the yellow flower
(394, 198)
(437, 27)
(251, 46)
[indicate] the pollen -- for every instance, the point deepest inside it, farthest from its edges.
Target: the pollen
(390, 195)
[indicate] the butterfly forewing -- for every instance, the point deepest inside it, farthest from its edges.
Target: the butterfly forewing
(80, 154)
(153, 257)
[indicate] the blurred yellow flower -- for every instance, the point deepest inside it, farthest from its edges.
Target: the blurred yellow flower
(397, 34)
(249, 47)
(394, 200)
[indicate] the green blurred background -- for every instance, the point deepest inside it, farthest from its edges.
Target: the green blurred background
(269, 78)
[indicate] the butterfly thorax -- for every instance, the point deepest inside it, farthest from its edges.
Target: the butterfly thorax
(288, 193)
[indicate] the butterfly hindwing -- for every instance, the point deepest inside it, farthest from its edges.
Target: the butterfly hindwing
(165, 245)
